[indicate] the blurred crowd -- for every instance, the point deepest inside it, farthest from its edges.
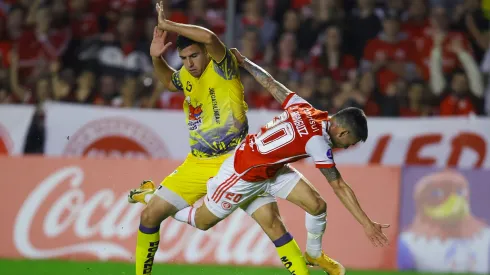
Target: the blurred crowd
(391, 58)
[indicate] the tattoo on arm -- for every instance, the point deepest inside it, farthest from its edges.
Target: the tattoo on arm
(331, 174)
(278, 90)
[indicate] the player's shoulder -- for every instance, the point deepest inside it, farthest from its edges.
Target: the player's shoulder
(293, 99)
(227, 68)
(177, 79)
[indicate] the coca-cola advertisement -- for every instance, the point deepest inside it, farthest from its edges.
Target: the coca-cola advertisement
(75, 208)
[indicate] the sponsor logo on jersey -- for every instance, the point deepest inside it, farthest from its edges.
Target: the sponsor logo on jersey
(188, 86)
(214, 102)
(195, 115)
(330, 154)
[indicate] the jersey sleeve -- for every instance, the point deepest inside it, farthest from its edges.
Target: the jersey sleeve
(293, 99)
(176, 80)
(320, 151)
(228, 67)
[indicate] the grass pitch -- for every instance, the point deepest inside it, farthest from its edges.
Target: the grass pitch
(55, 267)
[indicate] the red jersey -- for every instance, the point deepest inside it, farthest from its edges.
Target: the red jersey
(299, 132)
(450, 60)
(400, 51)
(416, 30)
(453, 106)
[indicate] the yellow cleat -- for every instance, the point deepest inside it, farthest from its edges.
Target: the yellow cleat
(329, 265)
(138, 195)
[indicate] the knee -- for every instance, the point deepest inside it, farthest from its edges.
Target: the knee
(150, 217)
(318, 207)
(203, 226)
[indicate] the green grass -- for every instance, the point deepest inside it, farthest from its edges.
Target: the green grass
(52, 267)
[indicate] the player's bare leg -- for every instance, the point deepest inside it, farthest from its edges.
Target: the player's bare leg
(307, 197)
(269, 219)
(148, 239)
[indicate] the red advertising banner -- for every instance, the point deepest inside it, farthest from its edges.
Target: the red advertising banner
(77, 208)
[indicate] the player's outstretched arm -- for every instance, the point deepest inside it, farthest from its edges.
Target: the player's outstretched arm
(277, 89)
(214, 46)
(348, 198)
(163, 71)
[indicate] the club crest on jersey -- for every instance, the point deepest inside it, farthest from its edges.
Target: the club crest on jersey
(195, 113)
(226, 205)
(330, 154)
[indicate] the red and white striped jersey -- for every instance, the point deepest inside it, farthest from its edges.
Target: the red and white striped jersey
(299, 132)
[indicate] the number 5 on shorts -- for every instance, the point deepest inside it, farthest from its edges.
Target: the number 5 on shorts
(233, 197)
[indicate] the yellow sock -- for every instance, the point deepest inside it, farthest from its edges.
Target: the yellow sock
(146, 248)
(290, 255)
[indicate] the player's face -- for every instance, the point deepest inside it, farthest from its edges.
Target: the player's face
(195, 59)
(343, 139)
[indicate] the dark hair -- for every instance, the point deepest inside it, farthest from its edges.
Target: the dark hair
(184, 42)
(355, 120)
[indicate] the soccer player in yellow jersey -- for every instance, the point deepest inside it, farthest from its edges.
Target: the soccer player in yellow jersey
(216, 118)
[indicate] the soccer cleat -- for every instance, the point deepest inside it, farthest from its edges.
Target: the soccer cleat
(138, 195)
(329, 265)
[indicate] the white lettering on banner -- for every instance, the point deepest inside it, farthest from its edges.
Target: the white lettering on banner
(102, 249)
(100, 222)
(440, 142)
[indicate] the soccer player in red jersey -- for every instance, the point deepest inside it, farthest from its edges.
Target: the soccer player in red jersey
(260, 162)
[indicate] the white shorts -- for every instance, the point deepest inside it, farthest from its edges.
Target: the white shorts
(227, 191)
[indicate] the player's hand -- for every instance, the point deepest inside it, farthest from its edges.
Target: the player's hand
(162, 20)
(374, 232)
(239, 57)
(158, 45)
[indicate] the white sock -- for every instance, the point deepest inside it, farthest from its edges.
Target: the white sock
(148, 197)
(186, 215)
(315, 225)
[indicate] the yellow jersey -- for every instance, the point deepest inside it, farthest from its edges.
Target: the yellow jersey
(214, 107)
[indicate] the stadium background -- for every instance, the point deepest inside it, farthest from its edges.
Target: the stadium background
(66, 165)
